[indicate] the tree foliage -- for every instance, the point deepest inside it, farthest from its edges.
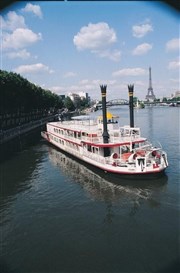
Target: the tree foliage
(18, 95)
(68, 103)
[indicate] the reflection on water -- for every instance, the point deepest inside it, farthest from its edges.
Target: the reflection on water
(106, 187)
(16, 174)
(150, 121)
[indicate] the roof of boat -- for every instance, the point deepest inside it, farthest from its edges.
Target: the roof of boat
(69, 125)
(81, 117)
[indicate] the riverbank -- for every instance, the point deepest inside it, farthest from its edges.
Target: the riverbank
(7, 135)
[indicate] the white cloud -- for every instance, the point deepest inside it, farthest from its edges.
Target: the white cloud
(69, 75)
(20, 38)
(139, 83)
(35, 9)
(98, 38)
(141, 30)
(57, 89)
(12, 22)
(174, 64)
(95, 83)
(142, 49)
(83, 81)
(174, 80)
(92, 87)
(33, 68)
(22, 54)
(129, 72)
(94, 36)
(173, 44)
(113, 55)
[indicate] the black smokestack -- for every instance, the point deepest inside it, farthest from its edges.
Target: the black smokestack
(131, 106)
(105, 131)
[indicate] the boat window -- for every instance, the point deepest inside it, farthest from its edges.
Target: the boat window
(125, 149)
(136, 145)
(135, 132)
(116, 134)
(89, 148)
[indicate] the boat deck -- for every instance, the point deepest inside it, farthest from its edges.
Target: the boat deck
(77, 125)
(93, 133)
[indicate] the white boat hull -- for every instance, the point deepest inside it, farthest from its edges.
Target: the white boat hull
(138, 169)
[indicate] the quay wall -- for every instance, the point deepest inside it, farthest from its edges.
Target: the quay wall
(10, 134)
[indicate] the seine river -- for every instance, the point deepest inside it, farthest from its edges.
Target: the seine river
(59, 216)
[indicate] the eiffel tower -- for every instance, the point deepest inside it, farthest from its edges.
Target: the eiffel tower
(150, 95)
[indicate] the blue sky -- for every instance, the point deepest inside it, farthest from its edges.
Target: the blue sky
(76, 46)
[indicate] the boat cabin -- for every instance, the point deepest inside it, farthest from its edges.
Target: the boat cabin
(112, 121)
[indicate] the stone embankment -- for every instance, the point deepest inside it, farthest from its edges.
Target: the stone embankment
(7, 135)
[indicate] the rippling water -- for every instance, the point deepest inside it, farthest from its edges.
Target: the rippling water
(57, 215)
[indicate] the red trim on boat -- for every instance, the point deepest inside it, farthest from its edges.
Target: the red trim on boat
(110, 145)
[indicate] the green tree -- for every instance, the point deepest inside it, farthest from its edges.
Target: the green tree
(68, 103)
(164, 99)
(77, 103)
(84, 102)
(19, 97)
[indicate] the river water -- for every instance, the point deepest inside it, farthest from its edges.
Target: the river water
(57, 215)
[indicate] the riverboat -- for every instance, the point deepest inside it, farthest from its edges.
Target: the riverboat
(103, 143)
